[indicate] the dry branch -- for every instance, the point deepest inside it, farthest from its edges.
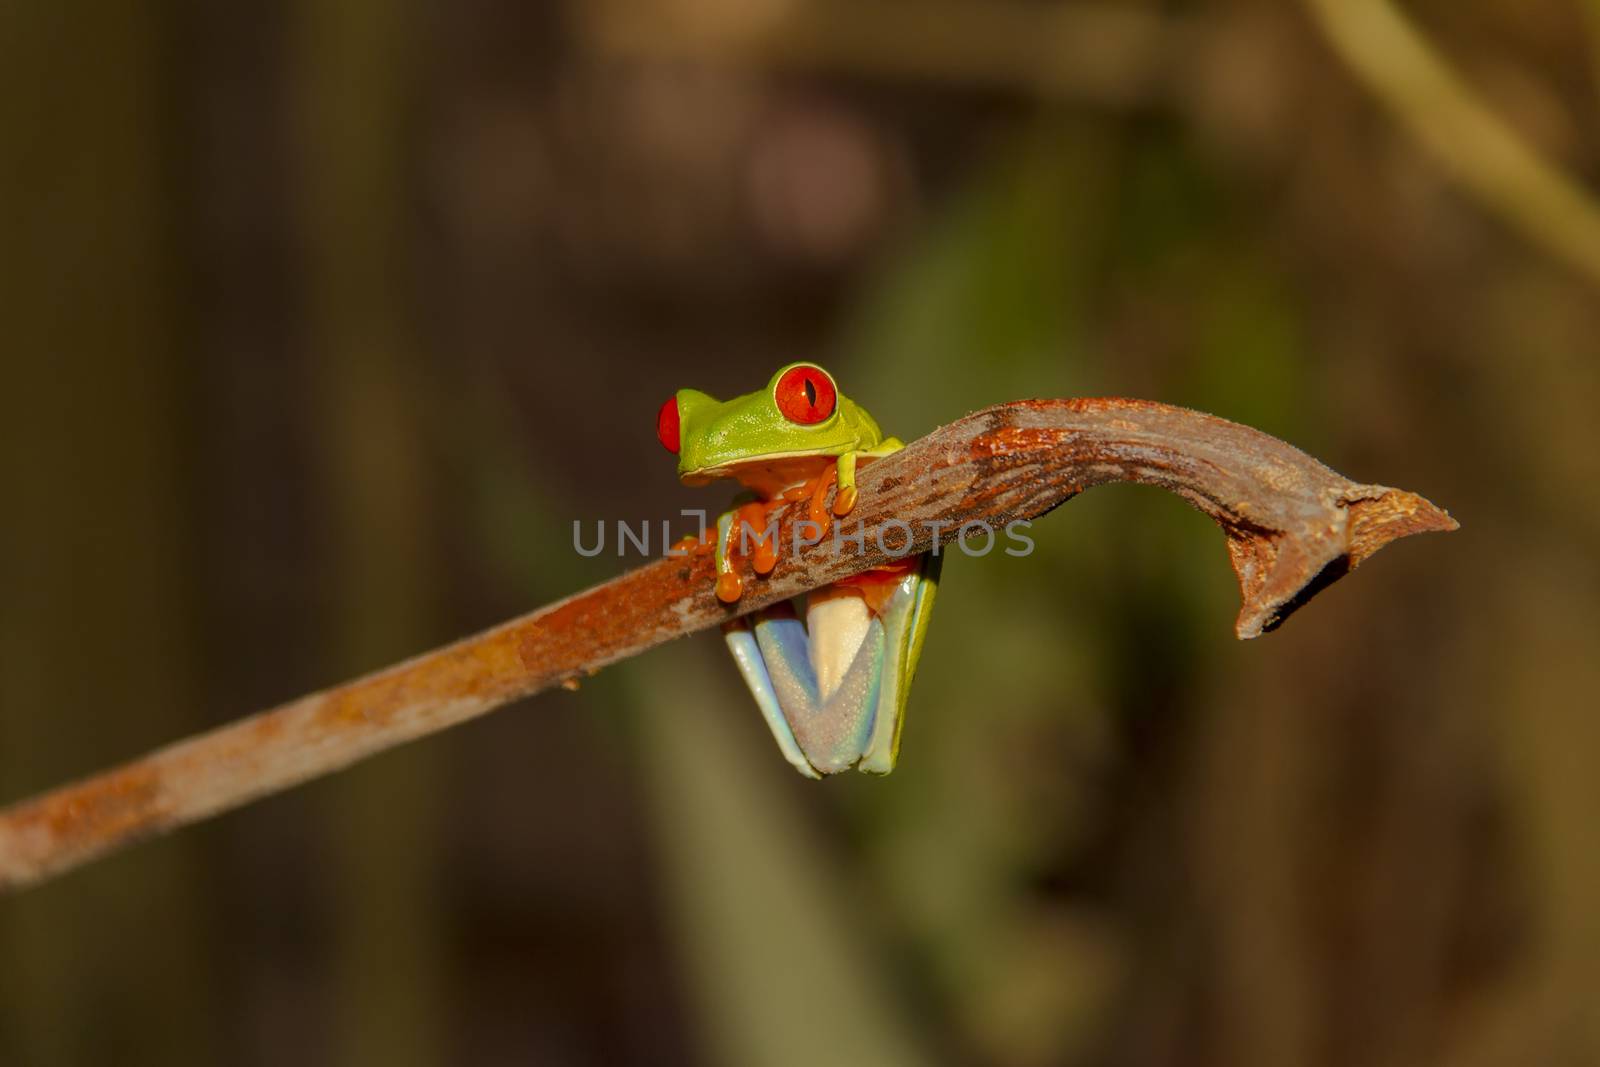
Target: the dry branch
(1292, 526)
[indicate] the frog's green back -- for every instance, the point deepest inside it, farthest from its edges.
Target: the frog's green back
(716, 435)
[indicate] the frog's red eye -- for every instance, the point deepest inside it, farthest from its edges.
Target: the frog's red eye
(667, 425)
(805, 395)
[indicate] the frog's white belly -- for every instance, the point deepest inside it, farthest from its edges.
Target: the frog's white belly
(837, 621)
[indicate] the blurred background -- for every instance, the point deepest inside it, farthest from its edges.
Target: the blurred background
(323, 321)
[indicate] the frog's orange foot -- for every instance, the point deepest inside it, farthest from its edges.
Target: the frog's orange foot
(818, 510)
(729, 587)
(844, 501)
(764, 553)
(696, 545)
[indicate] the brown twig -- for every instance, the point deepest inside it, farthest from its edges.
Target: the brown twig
(1292, 526)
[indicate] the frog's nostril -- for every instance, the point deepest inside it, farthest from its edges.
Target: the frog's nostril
(667, 425)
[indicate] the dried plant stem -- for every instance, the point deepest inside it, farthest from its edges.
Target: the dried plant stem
(1485, 154)
(1591, 11)
(1115, 55)
(1292, 526)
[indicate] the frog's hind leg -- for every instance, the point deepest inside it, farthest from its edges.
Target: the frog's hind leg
(740, 636)
(904, 614)
(819, 698)
(826, 674)
(833, 688)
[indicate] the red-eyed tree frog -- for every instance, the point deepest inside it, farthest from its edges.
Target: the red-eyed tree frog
(832, 686)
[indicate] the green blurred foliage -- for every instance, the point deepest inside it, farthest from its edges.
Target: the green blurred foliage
(324, 324)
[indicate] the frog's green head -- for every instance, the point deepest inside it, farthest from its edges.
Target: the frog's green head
(800, 414)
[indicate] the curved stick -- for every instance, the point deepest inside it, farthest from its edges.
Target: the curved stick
(1292, 526)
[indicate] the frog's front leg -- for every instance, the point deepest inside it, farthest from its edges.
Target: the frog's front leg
(833, 687)
(845, 467)
(749, 514)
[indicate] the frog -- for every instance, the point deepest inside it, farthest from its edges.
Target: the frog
(830, 670)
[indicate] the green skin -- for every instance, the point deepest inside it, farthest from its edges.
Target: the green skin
(868, 657)
(745, 437)
(718, 436)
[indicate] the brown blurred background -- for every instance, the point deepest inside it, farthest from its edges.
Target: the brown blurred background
(323, 321)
